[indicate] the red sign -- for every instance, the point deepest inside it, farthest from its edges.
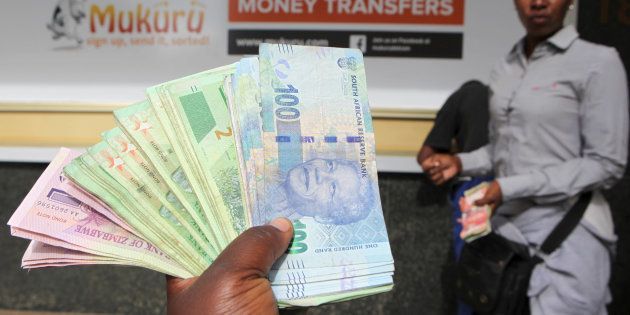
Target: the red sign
(445, 12)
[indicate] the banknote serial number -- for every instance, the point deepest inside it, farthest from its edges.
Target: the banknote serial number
(287, 102)
(54, 207)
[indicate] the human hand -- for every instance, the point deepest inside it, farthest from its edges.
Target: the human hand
(441, 167)
(493, 196)
(236, 283)
(424, 153)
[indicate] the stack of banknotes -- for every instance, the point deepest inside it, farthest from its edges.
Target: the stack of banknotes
(287, 133)
(475, 220)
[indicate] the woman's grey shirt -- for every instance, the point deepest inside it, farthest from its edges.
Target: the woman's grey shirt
(558, 123)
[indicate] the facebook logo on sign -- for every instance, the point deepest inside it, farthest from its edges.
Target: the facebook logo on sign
(359, 42)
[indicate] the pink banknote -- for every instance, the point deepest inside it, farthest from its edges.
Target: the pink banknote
(52, 215)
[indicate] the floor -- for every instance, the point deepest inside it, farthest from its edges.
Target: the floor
(418, 220)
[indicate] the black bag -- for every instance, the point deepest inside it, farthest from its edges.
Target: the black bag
(492, 274)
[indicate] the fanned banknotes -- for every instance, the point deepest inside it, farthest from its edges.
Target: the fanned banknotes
(287, 133)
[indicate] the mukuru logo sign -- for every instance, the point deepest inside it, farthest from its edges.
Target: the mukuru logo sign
(122, 24)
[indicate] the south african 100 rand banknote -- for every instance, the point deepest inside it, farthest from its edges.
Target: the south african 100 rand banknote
(319, 156)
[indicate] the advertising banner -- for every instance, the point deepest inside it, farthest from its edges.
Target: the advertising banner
(92, 52)
(448, 12)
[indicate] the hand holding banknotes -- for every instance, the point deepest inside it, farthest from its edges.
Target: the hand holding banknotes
(442, 167)
(236, 283)
(205, 157)
(493, 196)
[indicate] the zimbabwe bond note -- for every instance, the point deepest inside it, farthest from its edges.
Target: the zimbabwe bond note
(475, 220)
(86, 173)
(189, 165)
(320, 167)
(96, 204)
(51, 241)
(50, 211)
(207, 192)
(151, 208)
(242, 164)
(39, 253)
(141, 124)
(205, 115)
(156, 215)
(201, 107)
(23, 233)
(146, 173)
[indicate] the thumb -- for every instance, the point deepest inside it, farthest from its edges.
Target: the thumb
(483, 201)
(256, 249)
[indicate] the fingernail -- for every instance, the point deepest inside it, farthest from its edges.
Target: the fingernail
(281, 224)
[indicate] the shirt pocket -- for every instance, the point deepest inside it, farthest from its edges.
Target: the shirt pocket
(551, 101)
(556, 90)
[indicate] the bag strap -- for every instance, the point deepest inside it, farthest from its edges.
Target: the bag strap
(566, 225)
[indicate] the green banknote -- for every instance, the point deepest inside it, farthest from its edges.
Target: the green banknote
(149, 206)
(141, 124)
(197, 108)
(85, 172)
(144, 171)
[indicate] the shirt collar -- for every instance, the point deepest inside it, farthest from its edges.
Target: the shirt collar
(562, 40)
(564, 37)
(517, 51)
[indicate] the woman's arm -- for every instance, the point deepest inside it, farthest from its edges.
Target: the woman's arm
(478, 162)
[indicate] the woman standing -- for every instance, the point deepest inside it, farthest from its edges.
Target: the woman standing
(558, 127)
